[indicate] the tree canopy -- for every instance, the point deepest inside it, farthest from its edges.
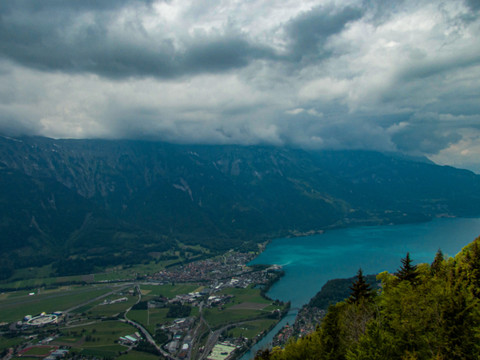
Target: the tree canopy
(361, 290)
(422, 312)
(408, 271)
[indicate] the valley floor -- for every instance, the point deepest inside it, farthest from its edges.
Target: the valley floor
(186, 311)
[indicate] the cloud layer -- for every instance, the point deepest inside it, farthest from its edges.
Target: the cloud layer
(395, 76)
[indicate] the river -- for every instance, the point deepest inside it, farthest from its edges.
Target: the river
(309, 262)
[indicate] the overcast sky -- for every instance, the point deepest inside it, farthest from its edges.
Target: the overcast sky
(382, 75)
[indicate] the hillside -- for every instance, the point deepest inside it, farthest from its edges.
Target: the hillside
(92, 198)
(422, 313)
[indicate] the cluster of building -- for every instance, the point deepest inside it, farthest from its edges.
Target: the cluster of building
(181, 340)
(305, 323)
(222, 272)
(218, 300)
(130, 340)
(226, 271)
(222, 351)
(192, 298)
(221, 267)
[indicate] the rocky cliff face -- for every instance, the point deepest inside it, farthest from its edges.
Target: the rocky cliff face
(87, 194)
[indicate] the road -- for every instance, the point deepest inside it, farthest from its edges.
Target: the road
(97, 298)
(144, 331)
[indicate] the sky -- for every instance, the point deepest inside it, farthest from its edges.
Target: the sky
(401, 76)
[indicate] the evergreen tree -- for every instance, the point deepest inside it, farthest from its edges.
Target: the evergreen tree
(437, 263)
(360, 289)
(407, 271)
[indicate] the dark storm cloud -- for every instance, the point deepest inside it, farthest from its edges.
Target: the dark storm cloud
(474, 4)
(77, 36)
(222, 54)
(53, 36)
(52, 6)
(427, 134)
(418, 139)
(309, 32)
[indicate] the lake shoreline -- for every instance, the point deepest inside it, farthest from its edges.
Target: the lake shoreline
(338, 253)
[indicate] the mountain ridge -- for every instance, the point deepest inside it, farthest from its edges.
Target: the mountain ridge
(88, 195)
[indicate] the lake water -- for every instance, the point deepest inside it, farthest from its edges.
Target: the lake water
(309, 262)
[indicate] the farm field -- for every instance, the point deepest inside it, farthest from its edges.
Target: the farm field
(16, 307)
(95, 339)
(248, 295)
(137, 355)
(169, 291)
(247, 304)
(153, 317)
(217, 318)
(100, 309)
(6, 343)
(149, 318)
(131, 272)
(252, 328)
(91, 326)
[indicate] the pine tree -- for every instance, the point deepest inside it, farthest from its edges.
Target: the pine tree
(407, 271)
(437, 263)
(360, 289)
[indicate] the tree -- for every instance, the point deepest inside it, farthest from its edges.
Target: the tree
(360, 289)
(407, 271)
(437, 263)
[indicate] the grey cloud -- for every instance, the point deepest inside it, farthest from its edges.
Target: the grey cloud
(309, 32)
(336, 128)
(473, 4)
(54, 6)
(222, 54)
(321, 87)
(45, 37)
(381, 11)
(426, 134)
(12, 124)
(52, 36)
(432, 68)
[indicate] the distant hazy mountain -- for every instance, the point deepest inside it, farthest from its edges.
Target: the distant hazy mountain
(93, 198)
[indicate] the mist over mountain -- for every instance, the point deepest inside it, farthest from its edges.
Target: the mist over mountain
(90, 199)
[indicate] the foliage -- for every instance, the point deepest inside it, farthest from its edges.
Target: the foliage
(142, 305)
(161, 336)
(407, 271)
(145, 346)
(361, 290)
(338, 289)
(177, 310)
(434, 314)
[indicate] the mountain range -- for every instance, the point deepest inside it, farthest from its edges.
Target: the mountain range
(101, 202)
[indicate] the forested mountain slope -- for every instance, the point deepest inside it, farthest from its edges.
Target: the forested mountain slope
(92, 198)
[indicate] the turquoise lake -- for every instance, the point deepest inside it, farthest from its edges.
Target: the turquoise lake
(309, 262)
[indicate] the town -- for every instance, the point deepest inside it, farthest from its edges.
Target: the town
(212, 308)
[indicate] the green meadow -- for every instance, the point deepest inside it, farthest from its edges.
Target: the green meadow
(252, 328)
(97, 339)
(169, 290)
(14, 308)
